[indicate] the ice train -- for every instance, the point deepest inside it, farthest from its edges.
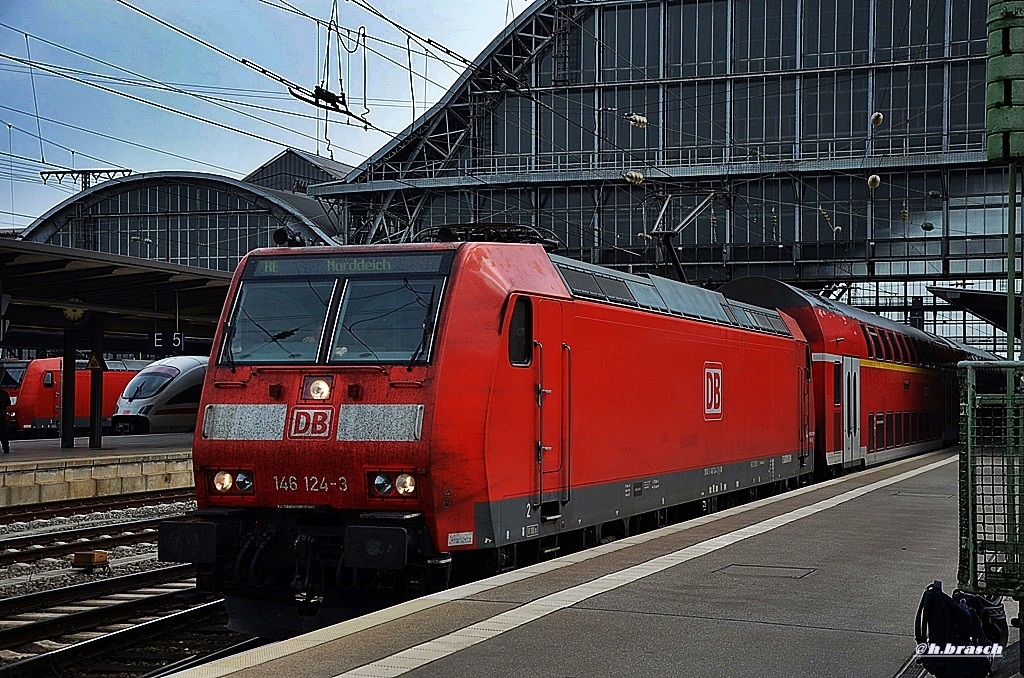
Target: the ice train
(163, 397)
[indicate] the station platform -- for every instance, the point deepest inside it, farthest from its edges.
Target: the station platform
(39, 470)
(824, 580)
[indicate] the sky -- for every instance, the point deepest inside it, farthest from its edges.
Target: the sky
(52, 117)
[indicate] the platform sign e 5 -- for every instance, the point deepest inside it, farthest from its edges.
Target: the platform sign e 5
(712, 391)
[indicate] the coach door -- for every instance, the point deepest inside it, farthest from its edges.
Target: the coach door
(851, 410)
(552, 356)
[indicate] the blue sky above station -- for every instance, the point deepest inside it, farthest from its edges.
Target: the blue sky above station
(262, 31)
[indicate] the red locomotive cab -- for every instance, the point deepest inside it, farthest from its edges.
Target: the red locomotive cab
(38, 406)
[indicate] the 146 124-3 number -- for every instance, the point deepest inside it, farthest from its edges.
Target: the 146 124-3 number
(310, 483)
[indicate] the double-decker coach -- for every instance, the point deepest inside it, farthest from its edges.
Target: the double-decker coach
(882, 390)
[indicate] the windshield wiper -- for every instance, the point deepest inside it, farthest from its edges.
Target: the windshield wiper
(284, 334)
(229, 336)
(135, 393)
(428, 330)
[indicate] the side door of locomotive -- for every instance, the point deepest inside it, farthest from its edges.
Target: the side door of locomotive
(552, 359)
(851, 410)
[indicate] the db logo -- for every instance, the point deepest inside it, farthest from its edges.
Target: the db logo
(310, 423)
(712, 391)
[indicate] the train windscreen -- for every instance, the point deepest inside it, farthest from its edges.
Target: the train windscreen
(149, 382)
(11, 373)
(351, 308)
(386, 320)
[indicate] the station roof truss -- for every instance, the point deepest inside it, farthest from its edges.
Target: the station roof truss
(131, 295)
(430, 147)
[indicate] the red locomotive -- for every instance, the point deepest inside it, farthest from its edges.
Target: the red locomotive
(379, 418)
(37, 400)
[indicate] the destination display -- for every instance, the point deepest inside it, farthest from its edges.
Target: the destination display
(349, 265)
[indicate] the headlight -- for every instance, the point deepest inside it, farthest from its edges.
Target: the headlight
(223, 481)
(316, 388)
(382, 484)
(405, 484)
(320, 389)
(243, 481)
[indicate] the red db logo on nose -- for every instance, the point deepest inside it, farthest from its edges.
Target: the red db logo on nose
(712, 390)
(310, 423)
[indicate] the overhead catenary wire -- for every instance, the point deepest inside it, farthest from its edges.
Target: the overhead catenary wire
(125, 141)
(299, 91)
(172, 88)
(35, 99)
(171, 109)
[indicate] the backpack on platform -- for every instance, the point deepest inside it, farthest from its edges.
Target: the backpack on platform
(943, 621)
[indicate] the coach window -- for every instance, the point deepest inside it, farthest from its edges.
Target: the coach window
(837, 384)
(905, 346)
(899, 429)
(875, 342)
(886, 348)
(867, 340)
(520, 333)
(890, 430)
(900, 350)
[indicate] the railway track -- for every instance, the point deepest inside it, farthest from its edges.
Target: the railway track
(50, 615)
(42, 600)
(38, 545)
(73, 507)
(152, 648)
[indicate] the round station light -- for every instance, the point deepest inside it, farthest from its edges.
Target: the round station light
(319, 389)
(382, 484)
(222, 481)
(405, 484)
(244, 481)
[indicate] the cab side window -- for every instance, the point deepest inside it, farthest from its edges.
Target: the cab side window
(520, 333)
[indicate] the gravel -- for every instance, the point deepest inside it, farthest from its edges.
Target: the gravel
(60, 523)
(53, 573)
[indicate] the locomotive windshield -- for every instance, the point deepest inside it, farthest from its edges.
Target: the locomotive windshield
(337, 309)
(11, 373)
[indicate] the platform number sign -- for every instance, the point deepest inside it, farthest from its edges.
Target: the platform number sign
(712, 391)
(168, 343)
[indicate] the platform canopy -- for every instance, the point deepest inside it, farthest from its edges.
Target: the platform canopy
(989, 306)
(54, 288)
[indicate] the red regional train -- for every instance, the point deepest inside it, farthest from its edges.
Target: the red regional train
(37, 410)
(380, 419)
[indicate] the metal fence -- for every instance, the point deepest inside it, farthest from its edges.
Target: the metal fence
(992, 477)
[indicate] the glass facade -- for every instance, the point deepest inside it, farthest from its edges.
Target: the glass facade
(206, 223)
(768, 103)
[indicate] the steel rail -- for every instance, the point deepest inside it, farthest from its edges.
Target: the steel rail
(93, 589)
(19, 549)
(59, 661)
(70, 507)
